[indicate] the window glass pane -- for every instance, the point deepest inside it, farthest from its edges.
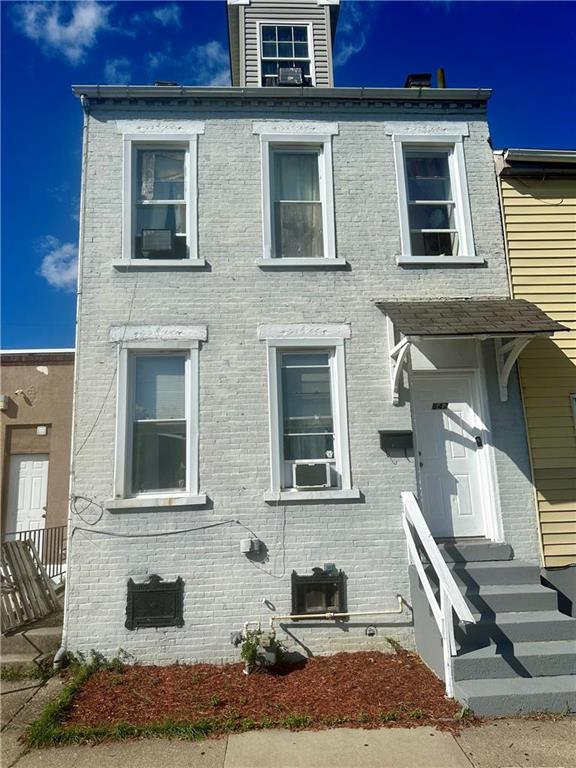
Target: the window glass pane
(159, 456)
(171, 217)
(307, 412)
(301, 50)
(268, 33)
(434, 243)
(269, 68)
(296, 176)
(314, 358)
(428, 176)
(159, 387)
(285, 50)
(431, 216)
(298, 230)
(285, 33)
(301, 34)
(269, 49)
(160, 174)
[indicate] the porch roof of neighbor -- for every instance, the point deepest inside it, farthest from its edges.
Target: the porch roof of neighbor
(469, 317)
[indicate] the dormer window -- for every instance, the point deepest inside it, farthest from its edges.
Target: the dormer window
(283, 46)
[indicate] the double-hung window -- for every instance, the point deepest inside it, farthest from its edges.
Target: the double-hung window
(160, 211)
(298, 194)
(157, 418)
(158, 422)
(308, 416)
(285, 45)
(297, 202)
(160, 201)
(434, 207)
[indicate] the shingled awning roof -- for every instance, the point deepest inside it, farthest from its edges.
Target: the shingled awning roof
(469, 317)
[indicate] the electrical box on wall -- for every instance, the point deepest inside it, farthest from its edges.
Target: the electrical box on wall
(395, 442)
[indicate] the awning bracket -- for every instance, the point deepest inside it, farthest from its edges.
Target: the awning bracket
(506, 355)
(398, 358)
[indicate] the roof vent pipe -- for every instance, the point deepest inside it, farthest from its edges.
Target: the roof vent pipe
(440, 78)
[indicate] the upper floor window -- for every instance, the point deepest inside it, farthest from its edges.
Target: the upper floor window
(285, 45)
(297, 195)
(159, 222)
(435, 221)
(160, 201)
(297, 202)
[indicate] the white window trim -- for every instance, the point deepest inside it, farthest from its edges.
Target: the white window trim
(459, 183)
(267, 143)
(160, 344)
(295, 23)
(131, 141)
(573, 404)
(311, 337)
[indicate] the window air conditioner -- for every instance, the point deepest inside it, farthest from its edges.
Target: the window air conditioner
(314, 474)
(290, 76)
(157, 241)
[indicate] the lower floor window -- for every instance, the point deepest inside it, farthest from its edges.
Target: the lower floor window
(322, 592)
(309, 425)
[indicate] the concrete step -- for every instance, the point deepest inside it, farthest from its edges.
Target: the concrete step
(508, 598)
(514, 696)
(548, 658)
(19, 661)
(474, 551)
(44, 639)
(492, 572)
(506, 628)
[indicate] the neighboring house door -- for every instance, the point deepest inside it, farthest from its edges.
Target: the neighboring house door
(27, 492)
(448, 446)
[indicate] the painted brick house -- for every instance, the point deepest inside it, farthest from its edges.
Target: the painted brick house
(264, 333)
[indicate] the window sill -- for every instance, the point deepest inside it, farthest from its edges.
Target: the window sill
(439, 260)
(137, 503)
(336, 494)
(128, 265)
(327, 262)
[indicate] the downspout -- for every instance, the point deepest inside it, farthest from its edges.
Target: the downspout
(61, 652)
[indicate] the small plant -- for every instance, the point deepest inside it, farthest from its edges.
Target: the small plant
(417, 714)
(296, 721)
(362, 717)
(391, 716)
(215, 701)
(464, 714)
(395, 644)
(260, 649)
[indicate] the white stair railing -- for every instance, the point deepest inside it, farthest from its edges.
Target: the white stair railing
(451, 599)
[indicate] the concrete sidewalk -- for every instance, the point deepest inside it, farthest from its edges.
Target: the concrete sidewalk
(503, 744)
(496, 744)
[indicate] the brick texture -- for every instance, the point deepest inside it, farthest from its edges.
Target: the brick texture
(223, 589)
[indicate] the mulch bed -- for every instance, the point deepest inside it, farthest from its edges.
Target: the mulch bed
(365, 689)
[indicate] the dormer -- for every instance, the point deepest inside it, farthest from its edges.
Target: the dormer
(282, 42)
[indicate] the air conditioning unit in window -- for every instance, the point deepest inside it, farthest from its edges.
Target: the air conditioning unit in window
(155, 241)
(290, 76)
(313, 474)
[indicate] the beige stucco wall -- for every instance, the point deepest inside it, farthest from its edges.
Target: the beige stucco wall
(46, 384)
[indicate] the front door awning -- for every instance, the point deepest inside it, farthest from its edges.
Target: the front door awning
(512, 323)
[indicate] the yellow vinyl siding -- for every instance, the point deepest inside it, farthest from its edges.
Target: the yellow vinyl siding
(540, 227)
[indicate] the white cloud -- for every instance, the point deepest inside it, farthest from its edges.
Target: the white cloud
(353, 25)
(60, 264)
(63, 29)
(118, 71)
(206, 64)
(167, 15)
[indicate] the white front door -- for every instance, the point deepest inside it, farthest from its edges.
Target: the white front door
(448, 446)
(27, 492)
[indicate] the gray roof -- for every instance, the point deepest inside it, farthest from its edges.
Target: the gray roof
(469, 317)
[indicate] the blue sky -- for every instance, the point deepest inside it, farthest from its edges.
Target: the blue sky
(523, 50)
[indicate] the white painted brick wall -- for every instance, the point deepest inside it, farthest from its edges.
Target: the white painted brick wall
(223, 589)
